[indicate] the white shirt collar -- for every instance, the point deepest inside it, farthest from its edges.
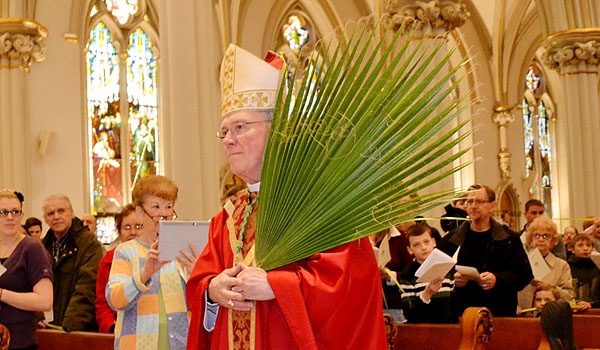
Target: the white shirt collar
(255, 187)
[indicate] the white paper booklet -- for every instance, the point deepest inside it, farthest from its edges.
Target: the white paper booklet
(596, 258)
(467, 271)
(383, 253)
(539, 267)
(437, 264)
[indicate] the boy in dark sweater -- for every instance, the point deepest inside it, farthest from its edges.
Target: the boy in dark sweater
(426, 302)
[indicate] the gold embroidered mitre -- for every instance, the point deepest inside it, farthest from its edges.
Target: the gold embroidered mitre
(248, 82)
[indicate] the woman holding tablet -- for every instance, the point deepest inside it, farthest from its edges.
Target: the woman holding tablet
(149, 294)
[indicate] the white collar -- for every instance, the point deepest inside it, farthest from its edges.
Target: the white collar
(255, 187)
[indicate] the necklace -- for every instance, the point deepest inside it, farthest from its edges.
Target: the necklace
(247, 211)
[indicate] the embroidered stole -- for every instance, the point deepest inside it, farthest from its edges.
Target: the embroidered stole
(241, 225)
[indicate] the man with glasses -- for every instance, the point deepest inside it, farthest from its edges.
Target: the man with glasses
(313, 303)
(75, 253)
(494, 250)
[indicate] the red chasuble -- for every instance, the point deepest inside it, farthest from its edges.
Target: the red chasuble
(332, 300)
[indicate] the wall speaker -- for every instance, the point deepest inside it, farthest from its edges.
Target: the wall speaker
(43, 141)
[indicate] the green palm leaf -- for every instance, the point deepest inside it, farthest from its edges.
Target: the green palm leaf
(372, 124)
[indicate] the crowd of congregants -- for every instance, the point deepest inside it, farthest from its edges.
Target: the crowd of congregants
(218, 298)
(516, 273)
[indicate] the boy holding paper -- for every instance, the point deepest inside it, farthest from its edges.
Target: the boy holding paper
(427, 301)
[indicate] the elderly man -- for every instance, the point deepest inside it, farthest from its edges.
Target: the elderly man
(494, 250)
(76, 254)
(330, 301)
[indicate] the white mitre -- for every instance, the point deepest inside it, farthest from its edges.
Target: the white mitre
(248, 82)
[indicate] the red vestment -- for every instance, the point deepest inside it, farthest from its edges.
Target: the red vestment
(331, 300)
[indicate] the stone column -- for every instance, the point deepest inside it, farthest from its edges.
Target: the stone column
(503, 116)
(22, 42)
(433, 20)
(575, 54)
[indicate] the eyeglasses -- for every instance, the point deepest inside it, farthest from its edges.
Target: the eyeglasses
(14, 212)
(171, 217)
(476, 201)
(129, 227)
(542, 236)
(237, 129)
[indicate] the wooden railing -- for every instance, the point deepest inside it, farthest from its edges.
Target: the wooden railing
(50, 339)
(477, 331)
(523, 333)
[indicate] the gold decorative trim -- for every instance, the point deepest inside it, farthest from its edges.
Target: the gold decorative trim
(577, 73)
(22, 42)
(71, 37)
(4, 66)
(503, 108)
(571, 35)
(23, 26)
(503, 115)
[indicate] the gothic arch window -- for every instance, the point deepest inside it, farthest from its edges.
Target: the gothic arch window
(122, 104)
(538, 125)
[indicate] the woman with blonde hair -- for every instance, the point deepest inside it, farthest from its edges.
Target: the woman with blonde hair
(543, 235)
(26, 280)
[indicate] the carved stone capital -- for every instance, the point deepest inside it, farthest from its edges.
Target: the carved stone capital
(503, 115)
(22, 42)
(573, 51)
(504, 163)
(443, 15)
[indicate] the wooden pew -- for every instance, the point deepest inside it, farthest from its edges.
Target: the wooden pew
(51, 339)
(526, 332)
(472, 333)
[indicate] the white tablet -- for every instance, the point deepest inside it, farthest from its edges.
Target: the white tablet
(176, 235)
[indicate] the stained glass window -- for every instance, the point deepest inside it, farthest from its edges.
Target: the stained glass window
(295, 33)
(122, 111)
(141, 91)
(104, 119)
(538, 139)
(529, 139)
(545, 153)
(122, 10)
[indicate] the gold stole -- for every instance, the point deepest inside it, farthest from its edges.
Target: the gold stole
(242, 324)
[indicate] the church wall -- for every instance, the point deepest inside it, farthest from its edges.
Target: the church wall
(55, 104)
(190, 57)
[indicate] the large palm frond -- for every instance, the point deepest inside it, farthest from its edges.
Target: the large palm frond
(372, 124)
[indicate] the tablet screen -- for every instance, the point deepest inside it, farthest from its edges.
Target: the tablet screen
(176, 235)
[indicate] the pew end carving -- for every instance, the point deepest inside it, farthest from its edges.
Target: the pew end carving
(390, 330)
(476, 328)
